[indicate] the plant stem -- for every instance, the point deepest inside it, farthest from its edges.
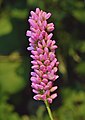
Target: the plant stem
(49, 110)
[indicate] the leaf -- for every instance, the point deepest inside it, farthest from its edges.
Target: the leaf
(17, 13)
(10, 80)
(5, 26)
(80, 15)
(81, 68)
(81, 46)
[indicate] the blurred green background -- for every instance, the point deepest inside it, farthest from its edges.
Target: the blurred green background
(16, 102)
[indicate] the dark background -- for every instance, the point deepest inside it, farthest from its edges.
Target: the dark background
(16, 97)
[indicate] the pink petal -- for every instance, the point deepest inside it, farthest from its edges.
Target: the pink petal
(53, 96)
(37, 97)
(49, 100)
(53, 89)
(45, 80)
(28, 33)
(48, 15)
(35, 91)
(37, 10)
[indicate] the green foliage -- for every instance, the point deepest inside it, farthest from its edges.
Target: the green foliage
(81, 68)
(6, 112)
(10, 81)
(73, 106)
(35, 3)
(40, 114)
(5, 26)
(81, 46)
(20, 14)
(80, 15)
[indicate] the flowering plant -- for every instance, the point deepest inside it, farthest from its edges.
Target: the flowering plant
(45, 64)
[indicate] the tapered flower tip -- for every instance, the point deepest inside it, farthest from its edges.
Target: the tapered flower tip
(53, 96)
(37, 97)
(35, 91)
(48, 15)
(56, 77)
(28, 33)
(37, 10)
(53, 88)
(30, 48)
(32, 13)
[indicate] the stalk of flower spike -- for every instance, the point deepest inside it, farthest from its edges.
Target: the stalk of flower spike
(45, 64)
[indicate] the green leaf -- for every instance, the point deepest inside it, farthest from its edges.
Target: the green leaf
(81, 46)
(80, 15)
(10, 80)
(17, 13)
(5, 26)
(81, 68)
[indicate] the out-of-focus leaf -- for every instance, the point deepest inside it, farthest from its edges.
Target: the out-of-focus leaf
(81, 46)
(80, 15)
(74, 54)
(81, 68)
(35, 3)
(10, 81)
(62, 66)
(79, 4)
(25, 117)
(5, 26)
(40, 112)
(30, 2)
(6, 112)
(72, 101)
(17, 13)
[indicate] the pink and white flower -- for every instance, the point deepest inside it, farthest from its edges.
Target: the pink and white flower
(42, 47)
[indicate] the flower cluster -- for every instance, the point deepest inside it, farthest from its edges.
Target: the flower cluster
(45, 64)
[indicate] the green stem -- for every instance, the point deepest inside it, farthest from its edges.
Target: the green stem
(49, 110)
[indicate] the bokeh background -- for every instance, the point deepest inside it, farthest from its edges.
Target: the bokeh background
(16, 102)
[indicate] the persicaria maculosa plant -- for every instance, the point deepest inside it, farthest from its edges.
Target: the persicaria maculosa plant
(45, 64)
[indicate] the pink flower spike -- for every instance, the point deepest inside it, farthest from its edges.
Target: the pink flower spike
(44, 63)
